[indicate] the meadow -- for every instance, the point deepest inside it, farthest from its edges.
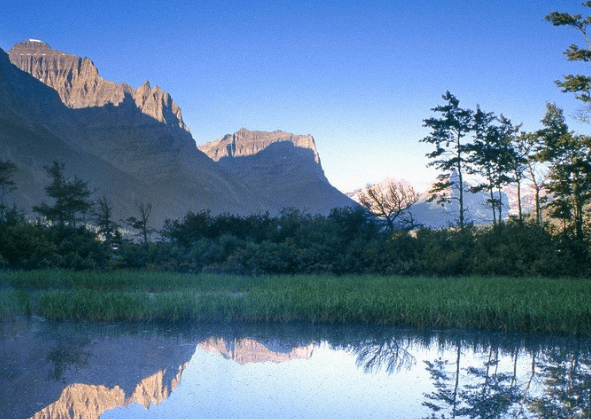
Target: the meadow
(560, 306)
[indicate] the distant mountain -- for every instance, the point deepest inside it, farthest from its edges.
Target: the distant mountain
(131, 144)
(435, 215)
(282, 167)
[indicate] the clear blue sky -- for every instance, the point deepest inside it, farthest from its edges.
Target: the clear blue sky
(360, 76)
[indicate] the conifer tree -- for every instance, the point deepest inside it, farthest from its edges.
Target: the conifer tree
(448, 135)
(71, 198)
(578, 84)
(569, 158)
(492, 157)
(7, 184)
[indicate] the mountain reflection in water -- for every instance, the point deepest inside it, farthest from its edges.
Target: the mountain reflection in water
(85, 370)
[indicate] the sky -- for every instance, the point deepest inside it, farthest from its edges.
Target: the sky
(359, 76)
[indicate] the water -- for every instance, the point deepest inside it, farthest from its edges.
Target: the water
(86, 370)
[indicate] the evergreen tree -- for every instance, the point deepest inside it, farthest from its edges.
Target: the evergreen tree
(578, 84)
(7, 184)
(529, 167)
(492, 157)
(448, 135)
(569, 158)
(71, 198)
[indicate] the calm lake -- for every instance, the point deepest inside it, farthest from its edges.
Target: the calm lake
(87, 370)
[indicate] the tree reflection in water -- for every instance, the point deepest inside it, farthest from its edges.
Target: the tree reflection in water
(393, 354)
(567, 375)
(66, 355)
(490, 375)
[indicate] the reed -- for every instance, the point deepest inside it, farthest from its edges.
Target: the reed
(496, 303)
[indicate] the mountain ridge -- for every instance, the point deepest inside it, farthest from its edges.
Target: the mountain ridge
(79, 85)
(133, 145)
(293, 168)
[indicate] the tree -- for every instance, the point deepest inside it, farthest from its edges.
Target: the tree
(71, 198)
(448, 135)
(522, 151)
(578, 84)
(528, 147)
(103, 216)
(140, 222)
(389, 202)
(492, 157)
(7, 185)
(569, 158)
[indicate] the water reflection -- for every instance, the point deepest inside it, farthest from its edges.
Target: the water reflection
(85, 370)
(244, 351)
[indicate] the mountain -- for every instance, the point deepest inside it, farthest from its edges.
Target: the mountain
(63, 370)
(436, 215)
(280, 166)
(245, 351)
(79, 84)
(130, 144)
(32, 117)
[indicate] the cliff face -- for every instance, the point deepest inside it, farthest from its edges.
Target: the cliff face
(247, 143)
(79, 84)
(280, 166)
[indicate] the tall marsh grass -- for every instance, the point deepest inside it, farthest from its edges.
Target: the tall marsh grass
(501, 304)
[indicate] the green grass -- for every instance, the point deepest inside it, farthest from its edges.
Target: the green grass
(500, 304)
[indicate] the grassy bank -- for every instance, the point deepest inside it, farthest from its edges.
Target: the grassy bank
(501, 304)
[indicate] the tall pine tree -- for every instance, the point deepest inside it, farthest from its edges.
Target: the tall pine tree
(448, 135)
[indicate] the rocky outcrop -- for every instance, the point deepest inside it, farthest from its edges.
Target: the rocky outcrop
(83, 401)
(247, 143)
(79, 84)
(89, 401)
(280, 166)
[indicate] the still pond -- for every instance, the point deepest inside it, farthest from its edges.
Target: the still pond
(112, 371)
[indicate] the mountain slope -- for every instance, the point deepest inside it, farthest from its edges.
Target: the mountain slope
(132, 144)
(280, 166)
(79, 84)
(127, 153)
(27, 108)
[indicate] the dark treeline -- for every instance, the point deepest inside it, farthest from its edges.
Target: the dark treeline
(348, 240)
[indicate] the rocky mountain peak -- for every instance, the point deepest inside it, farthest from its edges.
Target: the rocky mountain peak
(79, 84)
(32, 45)
(247, 143)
